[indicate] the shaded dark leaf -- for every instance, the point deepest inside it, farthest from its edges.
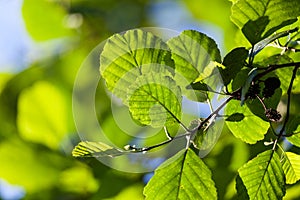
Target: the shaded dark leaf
(235, 117)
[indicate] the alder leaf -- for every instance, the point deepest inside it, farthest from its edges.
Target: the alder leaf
(233, 62)
(155, 99)
(96, 149)
(192, 52)
(251, 128)
(263, 17)
(291, 167)
(127, 56)
(293, 127)
(183, 176)
(263, 177)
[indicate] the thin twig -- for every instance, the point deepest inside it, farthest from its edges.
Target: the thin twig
(289, 92)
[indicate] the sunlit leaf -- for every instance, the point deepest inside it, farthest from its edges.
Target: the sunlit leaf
(291, 167)
(263, 180)
(293, 128)
(184, 176)
(251, 129)
(192, 51)
(155, 100)
(127, 56)
(96, 149)
(40, 21)
(263, 17)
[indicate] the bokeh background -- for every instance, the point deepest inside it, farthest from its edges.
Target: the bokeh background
(42, 45)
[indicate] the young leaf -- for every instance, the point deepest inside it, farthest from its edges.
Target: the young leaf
(251, 129)
(263, 177)
(233, 62)
(184, 176)
(266, 15)
(127, 56)
(96, 149)
(155, 99)
(192, 51)
(291, 167)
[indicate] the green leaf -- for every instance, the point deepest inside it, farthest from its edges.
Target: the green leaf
(198, 86)
(261, 18)
(96, 149)
(247, 84)
(291, 167)
(155, 99)
(127, 56)
(254, 29)
(41, 22)
(263, 180)
(293, 127)
(235, 117)
(251, 129)
(184, 176)
(233, 62)
(240, 79)
(43, 114)
(192, 52)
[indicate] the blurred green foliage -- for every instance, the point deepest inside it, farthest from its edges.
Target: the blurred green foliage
(37, 130)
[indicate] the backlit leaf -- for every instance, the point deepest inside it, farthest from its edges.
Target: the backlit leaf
(263, 17)
(155, 100)
(263, 180)
(95, 149)
(127, 56)
(251, 129)
(291, 167)
(184, 176)
(192, 52)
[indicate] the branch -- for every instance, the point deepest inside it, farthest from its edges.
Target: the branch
(271, 68)
(289, 92)
(188, 133)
